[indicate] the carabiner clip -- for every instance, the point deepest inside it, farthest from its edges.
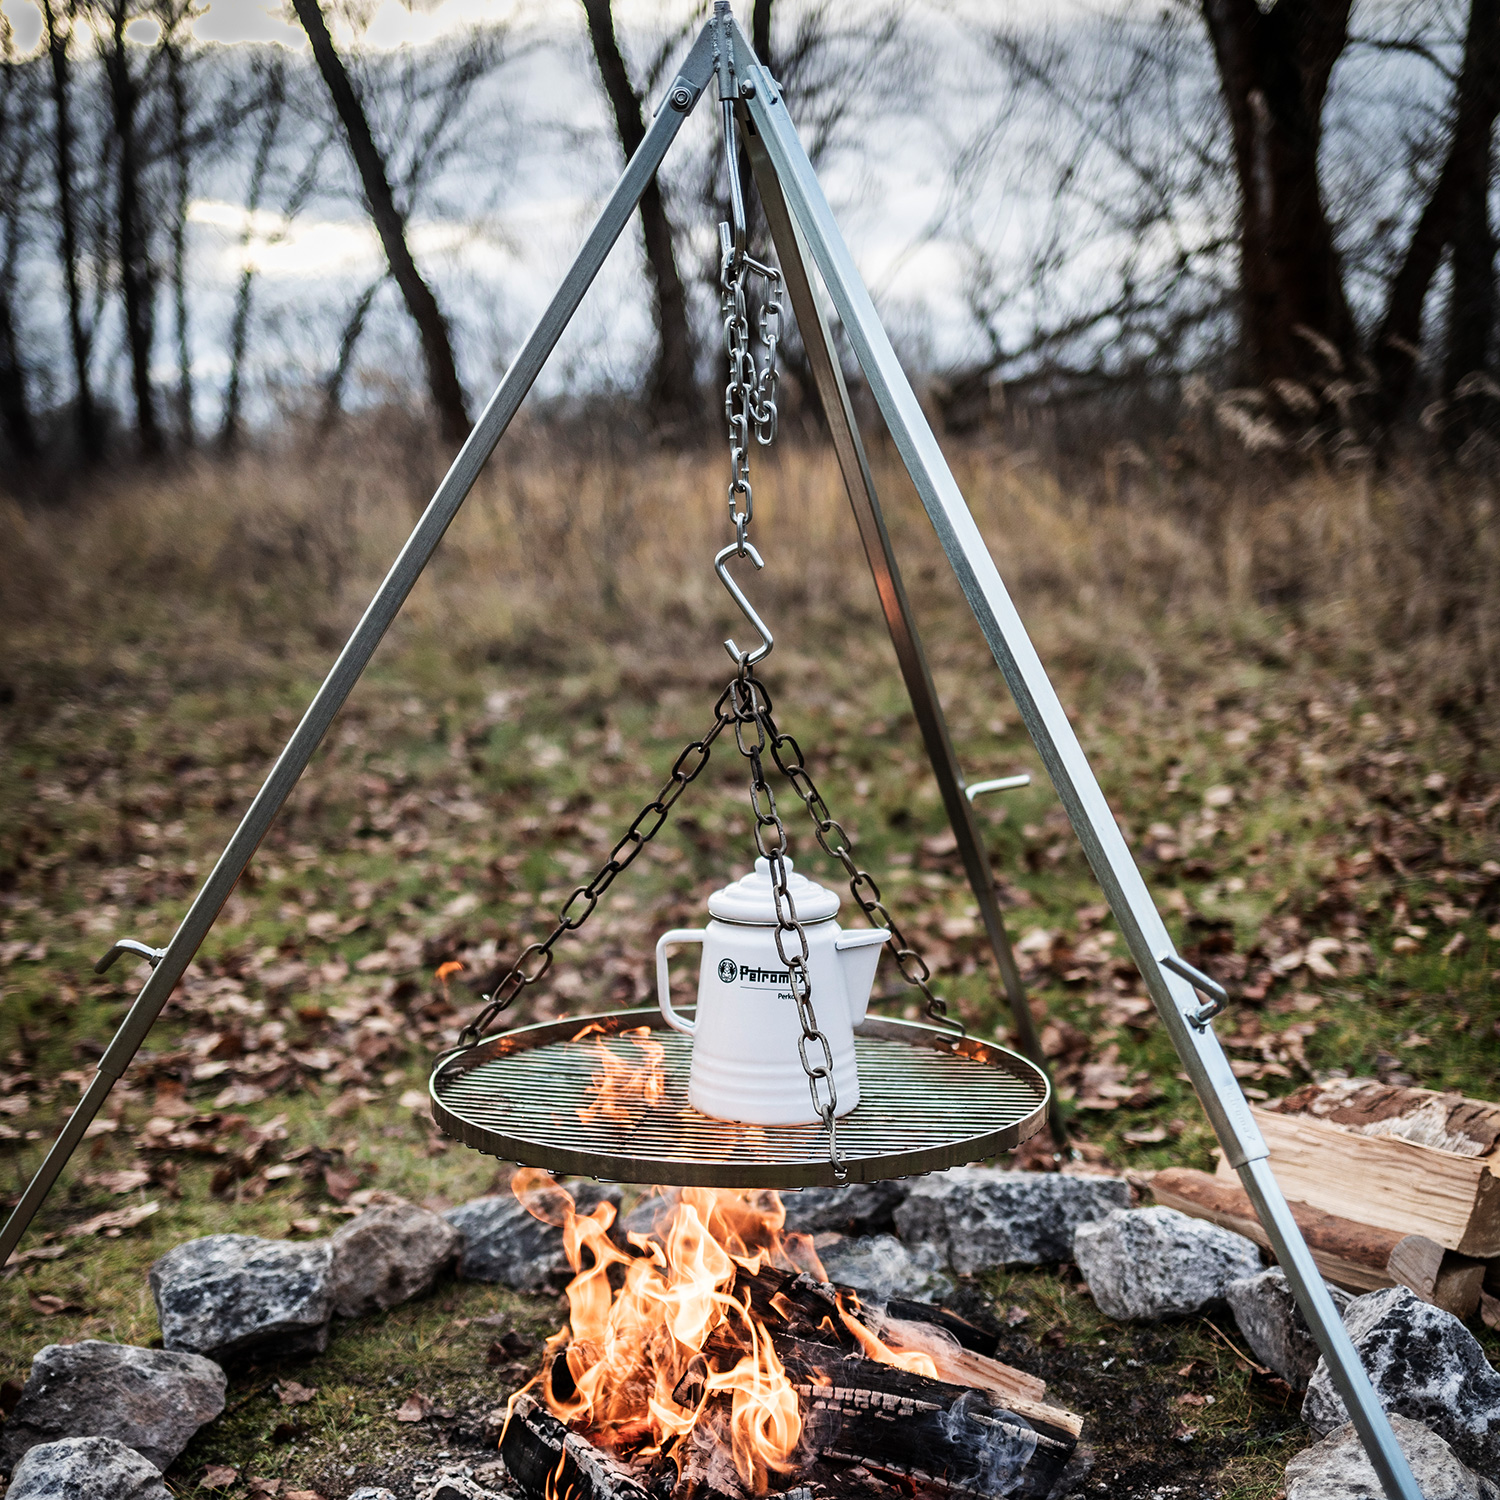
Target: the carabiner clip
(721, 562)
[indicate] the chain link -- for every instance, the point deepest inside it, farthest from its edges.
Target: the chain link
(752, 706)
(536, 959)
(750, 392)
(834, 841)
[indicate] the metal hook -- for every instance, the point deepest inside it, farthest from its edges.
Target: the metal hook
(737, 221)
(721, 562)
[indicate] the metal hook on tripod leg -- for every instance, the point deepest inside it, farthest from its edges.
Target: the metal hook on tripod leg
(721, 567)
(736, 193)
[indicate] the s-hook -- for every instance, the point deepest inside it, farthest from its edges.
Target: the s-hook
(721, 567)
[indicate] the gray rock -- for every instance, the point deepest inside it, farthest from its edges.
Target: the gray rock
(1273, 1324)
(1156, 1263)
(1338, 1468)
(373, 1492)
(859, 1208)
(980, 1217)
(151, 1399)
(387, 1256)
(881, 1266)
(504, 1243)
(86, 1468)
(1423, 1364)
(230, 1294)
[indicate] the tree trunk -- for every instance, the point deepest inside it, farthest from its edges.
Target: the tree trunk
(85, 412)
(432, 328)
(239, 328)
(15, 408)
(760, 32)
(674, 387)
(333, 386)
(1465, 171)
(181, 193)
(137, 275)
(1471, 301)
(1273, 68)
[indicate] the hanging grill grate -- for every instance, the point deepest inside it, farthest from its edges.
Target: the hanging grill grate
(928, 1100)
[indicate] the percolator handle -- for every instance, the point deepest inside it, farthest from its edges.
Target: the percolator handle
(664, 979)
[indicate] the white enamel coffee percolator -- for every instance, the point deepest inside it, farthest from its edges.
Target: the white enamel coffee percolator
(746, 1065)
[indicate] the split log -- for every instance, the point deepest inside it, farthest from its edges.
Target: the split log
(798, 1307)
(948, 1437)
(1347, 1253)
(546, 1459)
(1406, 1160)
(1441, 1277)
(1358, 1256)
(964, 1332)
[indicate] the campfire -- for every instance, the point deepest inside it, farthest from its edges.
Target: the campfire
(709, 1355)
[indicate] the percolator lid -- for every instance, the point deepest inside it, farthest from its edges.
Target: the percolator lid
(751, 899)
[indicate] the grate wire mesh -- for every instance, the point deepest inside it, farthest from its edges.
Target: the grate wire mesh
(928, 1100)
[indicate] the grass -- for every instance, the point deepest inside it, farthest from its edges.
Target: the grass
(1288, 695)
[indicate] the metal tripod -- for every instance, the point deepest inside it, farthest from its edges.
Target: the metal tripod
(804, 230)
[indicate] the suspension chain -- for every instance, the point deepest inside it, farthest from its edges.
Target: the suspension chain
(752, 707)
(835, 842)
(750, 394)
(536, 960)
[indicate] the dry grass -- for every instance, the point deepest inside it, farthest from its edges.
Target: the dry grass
(567, 562)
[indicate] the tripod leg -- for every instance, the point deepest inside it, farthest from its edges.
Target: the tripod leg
(352, 660)
(850, 451)
(1150, 944)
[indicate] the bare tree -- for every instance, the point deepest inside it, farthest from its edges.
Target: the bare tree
(1274, 63)
(273, 107)
(58, 36)
(134, 264)
(16, 147)
(1462, 188)
(173, 17)
(390, 224)
(673, 385)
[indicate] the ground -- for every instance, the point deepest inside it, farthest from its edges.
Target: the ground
(1318, 834)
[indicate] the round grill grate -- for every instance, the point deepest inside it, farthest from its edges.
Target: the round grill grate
(928, 1100)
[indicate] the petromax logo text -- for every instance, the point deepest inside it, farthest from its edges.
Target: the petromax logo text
(761, 976)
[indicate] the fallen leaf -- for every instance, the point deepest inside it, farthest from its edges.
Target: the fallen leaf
(41, 1252)
(303, 1495)
(49, 1306)
(413, 1099)
(1145, 1137)
(260, 1485)
(339, 1183)
(115, 1222)
(1191, 1398)
(218, 1477)
(416, 1408)
(125, 1181)
(306, 1226)
(291, 1393)
(1016, 1316)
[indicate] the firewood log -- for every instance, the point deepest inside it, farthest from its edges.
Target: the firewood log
(1348, 1254)
(1408, 1160)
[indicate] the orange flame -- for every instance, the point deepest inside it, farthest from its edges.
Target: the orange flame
(620, 1090)
(637, 1321)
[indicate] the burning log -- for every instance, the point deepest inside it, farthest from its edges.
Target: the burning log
(710, 1360)
(545, 1459)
